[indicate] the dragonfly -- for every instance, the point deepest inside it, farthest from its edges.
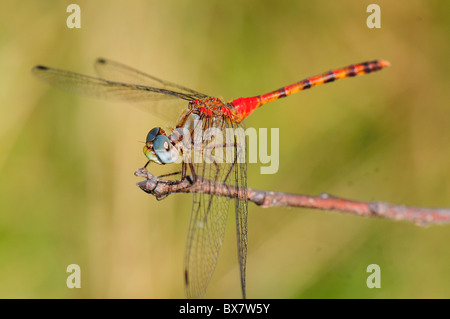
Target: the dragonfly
(200, 155)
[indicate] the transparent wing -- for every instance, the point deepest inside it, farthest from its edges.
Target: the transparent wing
(209, 213)
(100, 88)
(239, 171)
(117, 72)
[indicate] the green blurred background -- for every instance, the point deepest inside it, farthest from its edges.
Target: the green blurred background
(68, 192)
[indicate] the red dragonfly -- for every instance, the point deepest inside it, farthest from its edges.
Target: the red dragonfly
(203, 113)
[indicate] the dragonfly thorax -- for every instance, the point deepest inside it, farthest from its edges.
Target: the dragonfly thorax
(213, 107)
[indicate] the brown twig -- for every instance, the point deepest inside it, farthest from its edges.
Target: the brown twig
(161, 188)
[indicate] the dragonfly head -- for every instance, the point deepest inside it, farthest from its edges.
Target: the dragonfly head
(158, 148)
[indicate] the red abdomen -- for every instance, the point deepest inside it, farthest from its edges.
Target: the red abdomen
(246, 105)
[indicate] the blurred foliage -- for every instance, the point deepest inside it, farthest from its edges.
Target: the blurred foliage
(67, 190)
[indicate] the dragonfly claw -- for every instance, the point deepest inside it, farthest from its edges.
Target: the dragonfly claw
(161, 197)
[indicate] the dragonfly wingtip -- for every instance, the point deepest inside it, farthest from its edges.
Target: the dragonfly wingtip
(384, 63)
(101, 60)
(40, 67)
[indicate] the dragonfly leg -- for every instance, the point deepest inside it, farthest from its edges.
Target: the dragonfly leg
(174, 182)
(169, 174)
(183, 176)
(193, 174)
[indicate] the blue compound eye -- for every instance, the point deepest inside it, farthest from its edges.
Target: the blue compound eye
(164, 150)
(152, 134)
